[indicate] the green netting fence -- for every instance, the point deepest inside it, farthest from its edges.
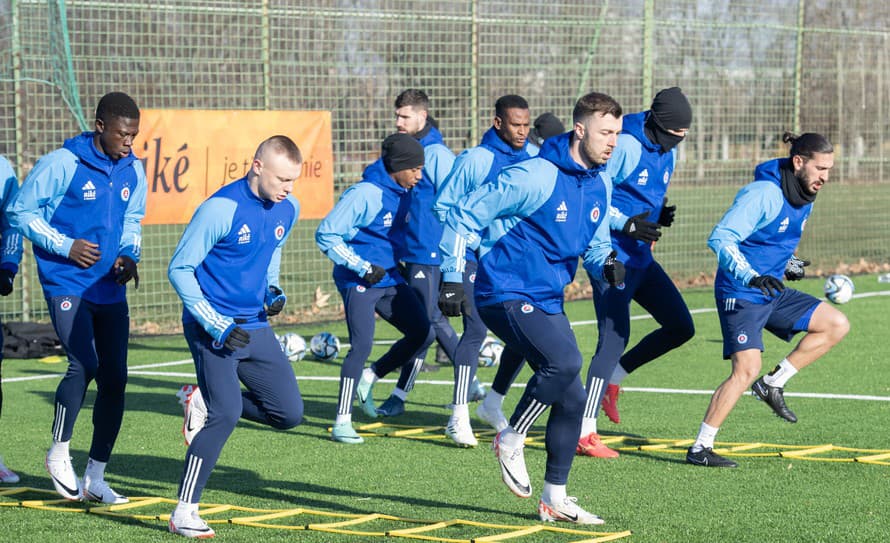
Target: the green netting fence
(752, 70)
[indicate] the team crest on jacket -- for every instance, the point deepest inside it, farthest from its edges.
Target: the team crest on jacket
(595, 214)
(527, 308)
(667, 177)
(279, 231)
(89, 190)
(125, 194)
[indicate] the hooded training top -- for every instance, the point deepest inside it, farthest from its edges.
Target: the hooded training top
(359, 230)
(640, 173)
(475, 166)
(79, 192)
(417, 228)
(10, 239)
(534, 220)
(757, 235)
(228, 257)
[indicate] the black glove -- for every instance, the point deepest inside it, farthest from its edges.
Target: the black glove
(374, 275)
(236, 339)
(6, 279)
(613, 270)
(451, 299)
(768, 285)
(666, 218)
(794, 269)
(640, 229)
(276, 302)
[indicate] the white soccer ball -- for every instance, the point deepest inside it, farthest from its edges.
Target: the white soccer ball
(839, 289)
(324, 346)
(490, 352)
(293, 345)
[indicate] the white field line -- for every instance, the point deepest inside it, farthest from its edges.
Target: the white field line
(145, 369)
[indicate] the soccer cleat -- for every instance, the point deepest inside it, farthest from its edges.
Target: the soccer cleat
(345, 433)
(477, 391)
(392, 407)
(6, 474)
(64, 479)
(774, 397)
(190, 525)
(566, 510)
(707, 457)
(460, 431)
(195, 411)
(592, 445)
(364, 390)
(610, 403)
(97, 490)
(513, 472)
(494, 417)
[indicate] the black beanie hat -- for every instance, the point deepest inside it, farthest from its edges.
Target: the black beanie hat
(672, 109)
(547, 125)
(401, 152)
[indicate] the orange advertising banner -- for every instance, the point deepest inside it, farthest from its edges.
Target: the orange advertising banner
(189, 154)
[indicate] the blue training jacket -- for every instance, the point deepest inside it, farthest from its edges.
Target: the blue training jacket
(10, 238)
(418, 230)
(475, 166)
(534, 220)
(757, 235)
(79, 192)
(359, 230)
(640, 173)
(228, 257)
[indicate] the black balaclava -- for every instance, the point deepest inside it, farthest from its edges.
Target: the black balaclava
(793, 188)
(401, 152)
(670, 111)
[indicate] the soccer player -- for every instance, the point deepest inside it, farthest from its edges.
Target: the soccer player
(357, 236)
(418, 231)
(535, 220)
(11, 243)
(226, 270)
(82, 206)
(754, 243)
(505, 143)
(641, 169)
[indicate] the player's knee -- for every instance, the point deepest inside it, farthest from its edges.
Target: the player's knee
(839, 326)
(681, 332)
(291, 419)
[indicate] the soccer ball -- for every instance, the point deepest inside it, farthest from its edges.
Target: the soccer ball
(293, 345)
(324, 346)
(490, 352)
(839, 289)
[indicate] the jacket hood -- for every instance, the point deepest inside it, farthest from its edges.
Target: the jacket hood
(771, 170)
(556, 150)
(634, 124)
(493, 140)
(82, 147)
(376, 173)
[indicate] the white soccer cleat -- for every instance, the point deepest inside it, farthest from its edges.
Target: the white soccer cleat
(195, 411)
(494, 417)
(190, 525)
(97, 490)
(567, 510)
(513, 472)
(7, 475)
(64, 479)
(460, 431)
